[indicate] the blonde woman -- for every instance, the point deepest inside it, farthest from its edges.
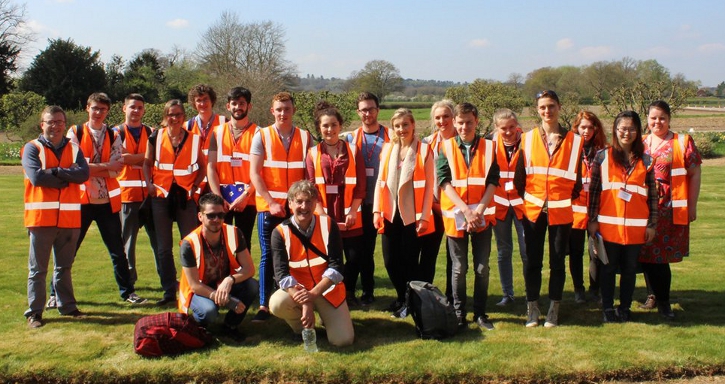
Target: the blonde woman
(402, 203)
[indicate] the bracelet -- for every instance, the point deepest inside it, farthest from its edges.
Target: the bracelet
(234, 281)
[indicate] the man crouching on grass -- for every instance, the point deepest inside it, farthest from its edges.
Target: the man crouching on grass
(217, 270)
(307, 254)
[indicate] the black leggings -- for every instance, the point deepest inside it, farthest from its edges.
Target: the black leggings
(659, 277)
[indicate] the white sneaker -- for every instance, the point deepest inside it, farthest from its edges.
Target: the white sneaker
(135, 299)
(552, 318)
(532, 313)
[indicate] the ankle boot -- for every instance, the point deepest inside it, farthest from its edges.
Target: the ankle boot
(532, 314)
(552, 317)
(650, 303)
(665, 310)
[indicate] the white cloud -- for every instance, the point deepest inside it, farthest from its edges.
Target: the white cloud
(595, 53)
(479, 43)
(178, 23)
(564, 44)
(36, 28)
(711, 48)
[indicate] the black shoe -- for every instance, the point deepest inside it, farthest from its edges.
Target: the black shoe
(165, 301)
(624, 315)
(665, 310)
(484, 323)
(261, 316)
(367, 298)
(579, 296)
(395, 306)
(232, 333)
(35, 321)
(352, 301)
(462, 322)
(401, 313)
(75, 314)
(610, 316)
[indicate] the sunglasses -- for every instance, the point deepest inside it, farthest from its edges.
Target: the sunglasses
(547, 93)
(214, 216)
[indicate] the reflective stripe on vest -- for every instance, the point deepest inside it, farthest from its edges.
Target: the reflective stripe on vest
(281, 168)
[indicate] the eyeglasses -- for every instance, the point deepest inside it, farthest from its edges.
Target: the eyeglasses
(627, 130)
(367, 110)
(54, 122)
(174, 115)
(214, 216)
(97, 109)
(547, 93)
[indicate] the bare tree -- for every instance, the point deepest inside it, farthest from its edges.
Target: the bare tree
(13, 38)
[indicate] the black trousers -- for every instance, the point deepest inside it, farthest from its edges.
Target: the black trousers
(400, 253)
(535, 235)
(659, 277)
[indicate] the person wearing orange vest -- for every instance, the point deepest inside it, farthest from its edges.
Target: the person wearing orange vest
(623, 209)
(101, 194)
(468, 175)
(402, 204)
(202, 98)
(368, 139)
(277, 159)
(441, 116)
(54, 170)
(548, 176)
(333, 166)
(590, 128)
(509, 204)
(134, 192)
(216, 270)
(173, 168)
(228, 164)
(307, 252)
(677, 172)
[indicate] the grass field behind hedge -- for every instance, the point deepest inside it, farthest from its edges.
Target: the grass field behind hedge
(99, 348)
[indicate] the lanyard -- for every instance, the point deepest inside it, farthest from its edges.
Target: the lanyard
(369, 150)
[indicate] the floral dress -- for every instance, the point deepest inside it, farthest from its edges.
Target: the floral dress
(672, 242)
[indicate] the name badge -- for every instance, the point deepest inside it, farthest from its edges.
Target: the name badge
(370, 172)
(331, 189)
(509, 186)
(585, 187)
(624, 195)
(236, 162)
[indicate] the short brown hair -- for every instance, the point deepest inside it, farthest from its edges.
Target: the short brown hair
(199, 90)
(99, 97)
(282, 97)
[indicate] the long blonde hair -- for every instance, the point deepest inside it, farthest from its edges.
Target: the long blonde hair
(400, 113)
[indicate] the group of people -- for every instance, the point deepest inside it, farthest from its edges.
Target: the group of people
(319, 207)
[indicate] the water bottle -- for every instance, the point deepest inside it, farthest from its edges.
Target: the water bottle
(309, 337)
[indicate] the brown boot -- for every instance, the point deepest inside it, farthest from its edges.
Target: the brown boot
(650, 303)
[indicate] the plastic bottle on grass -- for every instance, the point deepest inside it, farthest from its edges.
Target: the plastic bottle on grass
(309, 337)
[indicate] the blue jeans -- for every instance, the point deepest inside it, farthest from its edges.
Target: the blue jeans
(131, 222)
(505, 246)
(205, 311)
(266, 223)
(481, 252)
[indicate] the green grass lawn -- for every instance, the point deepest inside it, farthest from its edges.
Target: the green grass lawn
(386, 350)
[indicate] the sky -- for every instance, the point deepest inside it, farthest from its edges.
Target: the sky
(430, 40)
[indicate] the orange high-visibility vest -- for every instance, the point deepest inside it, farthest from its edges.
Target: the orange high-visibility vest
(282, 168)
(550, 180)
(350, 181)
(232, 156)
(194, 238)
(52, 207)
(130, 179)
(469, 182)
(679, 188)
(419, 180)
(181, 168)
(620, 221)
(580, 204)
(357, 137)
(193, 127)
(85, 142)
(506, 194)
(305, 265)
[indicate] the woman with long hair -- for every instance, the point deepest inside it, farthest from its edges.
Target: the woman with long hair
(623, 210)
(402, 203)
(590, 128)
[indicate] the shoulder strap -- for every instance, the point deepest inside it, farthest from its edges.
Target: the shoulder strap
(306, 242)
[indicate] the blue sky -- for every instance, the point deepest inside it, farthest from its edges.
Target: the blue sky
(441, 40)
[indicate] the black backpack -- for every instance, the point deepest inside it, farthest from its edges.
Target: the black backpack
(434, 316)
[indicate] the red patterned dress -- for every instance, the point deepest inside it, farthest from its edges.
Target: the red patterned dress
(672, 242)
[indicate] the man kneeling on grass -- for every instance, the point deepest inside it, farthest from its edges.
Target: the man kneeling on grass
(307, 255)
(217, 270)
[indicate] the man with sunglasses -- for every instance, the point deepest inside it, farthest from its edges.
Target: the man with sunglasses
(217, 270)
